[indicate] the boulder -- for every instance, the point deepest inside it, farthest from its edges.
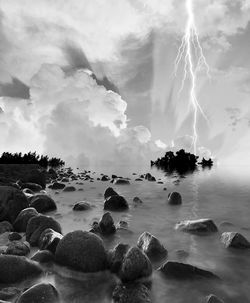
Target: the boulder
(9, 293)
(120, 181)
(106, 224)
(42, 203)
(116, 203)
(69, 188)
(105, 178)
(5, 226)
(22, 219)
(149, 177)
(135, 265)
(12, 201)
(197, 226)
(32, 186)
(15, 268)
(18, 248)
(40, 293)
(37, 225)
(57, 185)
(110, 192)
(151, 246)
(49, 240)
(235, 240)
(131, 293)
(183, 271)
(116, 257)
(82, 251)
(213, 299)
(43, 256)
(14, 236)
(82, 205)
(174, 198)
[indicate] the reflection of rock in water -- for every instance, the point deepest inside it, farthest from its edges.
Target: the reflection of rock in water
(77, 287)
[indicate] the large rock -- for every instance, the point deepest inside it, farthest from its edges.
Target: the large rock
(37, 225)
(116, 257)
(18, 248)
(83, 251)
(15, 268)
(131, 293)
(151, 246)
(22, 219)
(40, 293)
(135, 265)
(12, 201)
(235, 240)
(183, 271)
(115, 203)
(110, 192)
(42, 203)
(174, 198)
(5, 226)
(107, 225)
(213, 299)
(197, 226)
(49, 240)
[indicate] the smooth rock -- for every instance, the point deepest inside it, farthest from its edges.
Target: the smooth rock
(197, 226)
(32, 186)
(20, 224)
(151, 246)
(42, 203)
(235, 240)
(5, 226)
(107, 225)
(69, 189)
(82, 205)
(110, 192)
(121, 181)
(174, 198)
(115, 203)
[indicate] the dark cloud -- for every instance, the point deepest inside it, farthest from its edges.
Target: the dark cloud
(15, 89)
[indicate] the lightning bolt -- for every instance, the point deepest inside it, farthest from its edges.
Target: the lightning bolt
(190, 51)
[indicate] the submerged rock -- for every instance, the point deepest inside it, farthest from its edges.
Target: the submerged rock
(235, 240)
(149, 177)
(135, 265)
(40, 293)
(82, 251)
(22, 219)
(120, 181)
(32, 186)
(182, 271)
(81, 206)
(213, 299)
(197, 226)
(42, 203)
(43, 256)
(116, 203)
(151, 246)
(137, 200)
(131, 293)
(174, 198)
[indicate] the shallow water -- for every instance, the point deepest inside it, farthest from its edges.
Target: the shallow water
(221, 193)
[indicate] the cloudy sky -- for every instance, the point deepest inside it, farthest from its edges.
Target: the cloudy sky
(93, 81)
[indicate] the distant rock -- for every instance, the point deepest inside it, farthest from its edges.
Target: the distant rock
(122, 224)
(22, 219)
(110, 192)
(174, 198)
(81, 206)
(5, 226)
(32, 186)
(120, 181)
(135, 265)
(213, 299)
(116, 257)
(183, 271)
(116, 203)
(43, 203)
(138, 179)
(197, 226)
(149, 177)
(105, 178)
(57, 185)
(235, 240)
(131, 293)
(69, 189)
(137, 200)
(151, 246)
(49, 240)
(82, 251)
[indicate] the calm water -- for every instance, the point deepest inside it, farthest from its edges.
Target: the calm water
(221, 193)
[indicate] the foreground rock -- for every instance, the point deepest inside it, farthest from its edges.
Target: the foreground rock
(135, 265)
(37, 225)
(42, 203)
(18, 248)
(22, 219)
(40, 293)
(183, 271)
(12, 201)
(49, 240)
(197, 226)
(174, 198)
(115, 203)
(116, 257)
(106, 224)
(82, 251)
(43, 256)
(151, 246)
(110, 192)
(131, 293)
(235, 240)
(213, 299)
(9, 293)
(14, 268)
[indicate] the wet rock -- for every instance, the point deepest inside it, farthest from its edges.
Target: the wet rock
(116, 203)
(14, 236)
(116, 257)
(82, 205)
(49, 240)
(15, 268)
(131, 293)
(151, 246)
(106, 224)
(149, 177)
(110, 192)
(105, 178)
(121, 181)
(135, 265)
(235, 240)
(37, 225)
(9, 293)
(197, 226)
(213, 299)
(122, 224)
(182, 271)
(138, 179)
(18, 248)
(42, 203)
(5, 226)
(57, 185)
(69, 188)
(174, 198)
(40, 293)
(28, 191)
(82, 251)
(22, 219)
(43, 256)
(12, 201)
(32, 186)
(137, 200)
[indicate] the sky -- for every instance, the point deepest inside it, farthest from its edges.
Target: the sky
(94, 82)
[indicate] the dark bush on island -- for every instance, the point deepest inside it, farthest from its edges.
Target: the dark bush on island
(31, 158)
(181, 162)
